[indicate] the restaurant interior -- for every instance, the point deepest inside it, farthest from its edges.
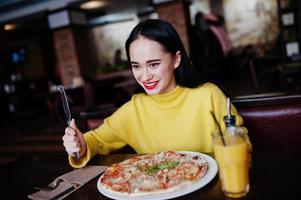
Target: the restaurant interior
(253, 51)
(250, 49)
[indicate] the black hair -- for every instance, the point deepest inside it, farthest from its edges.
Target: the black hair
(164, 33)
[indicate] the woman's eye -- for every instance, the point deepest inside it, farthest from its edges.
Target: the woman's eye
(154, 65)
(135, 66)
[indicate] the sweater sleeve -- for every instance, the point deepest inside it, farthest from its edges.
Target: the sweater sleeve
(110, 136)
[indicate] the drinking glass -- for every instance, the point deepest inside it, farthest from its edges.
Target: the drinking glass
(232, 155)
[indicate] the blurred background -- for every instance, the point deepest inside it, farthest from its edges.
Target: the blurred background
(248, 48)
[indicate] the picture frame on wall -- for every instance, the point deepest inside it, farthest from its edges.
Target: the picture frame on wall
(292, 48)
(287, 19)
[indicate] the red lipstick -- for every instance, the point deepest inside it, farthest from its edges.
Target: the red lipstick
(150, 85)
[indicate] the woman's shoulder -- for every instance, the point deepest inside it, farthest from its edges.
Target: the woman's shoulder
(208, 87)
(207, 92)
(127, 107)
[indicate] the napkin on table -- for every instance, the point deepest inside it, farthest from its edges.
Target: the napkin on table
(78, 177)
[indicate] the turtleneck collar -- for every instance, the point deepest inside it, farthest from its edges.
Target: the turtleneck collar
(170, 98)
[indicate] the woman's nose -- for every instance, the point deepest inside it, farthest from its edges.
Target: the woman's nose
(146, 75)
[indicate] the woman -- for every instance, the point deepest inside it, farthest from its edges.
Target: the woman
(173, 114)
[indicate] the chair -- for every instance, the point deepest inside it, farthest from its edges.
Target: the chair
(94, 119)
(273, 122)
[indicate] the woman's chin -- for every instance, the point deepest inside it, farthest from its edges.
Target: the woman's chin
(151, 92)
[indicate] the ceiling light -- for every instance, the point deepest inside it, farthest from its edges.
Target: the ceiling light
(92, 5)
(9, 27)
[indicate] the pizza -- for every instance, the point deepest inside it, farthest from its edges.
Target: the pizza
(150, 174)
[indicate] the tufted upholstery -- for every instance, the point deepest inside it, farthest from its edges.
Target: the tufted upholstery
(273, 122)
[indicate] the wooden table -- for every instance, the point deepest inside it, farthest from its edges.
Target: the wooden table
(274, 175)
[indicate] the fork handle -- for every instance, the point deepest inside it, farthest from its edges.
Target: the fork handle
(76, 155)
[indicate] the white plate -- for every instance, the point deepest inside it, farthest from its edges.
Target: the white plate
(211, 172)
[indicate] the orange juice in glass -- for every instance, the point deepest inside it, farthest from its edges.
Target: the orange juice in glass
(232, 155)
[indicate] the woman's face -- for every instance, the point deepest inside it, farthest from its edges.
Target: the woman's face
(152, 66)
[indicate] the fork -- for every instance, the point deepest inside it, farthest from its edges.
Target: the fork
(50, 186)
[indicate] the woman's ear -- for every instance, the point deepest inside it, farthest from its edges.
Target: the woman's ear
(177, 59)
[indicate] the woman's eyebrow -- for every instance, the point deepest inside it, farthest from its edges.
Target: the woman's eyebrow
(149, 61)
(154, 60)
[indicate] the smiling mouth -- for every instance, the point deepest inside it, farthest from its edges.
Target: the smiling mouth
(150, 85)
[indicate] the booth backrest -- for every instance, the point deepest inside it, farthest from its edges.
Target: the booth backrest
(273, 122)
(95, 118)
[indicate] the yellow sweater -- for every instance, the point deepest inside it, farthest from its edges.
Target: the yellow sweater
(177, 120)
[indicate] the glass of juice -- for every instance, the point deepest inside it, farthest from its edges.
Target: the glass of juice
(232, 155)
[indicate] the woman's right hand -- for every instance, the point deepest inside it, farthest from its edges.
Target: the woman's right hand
(74, 141)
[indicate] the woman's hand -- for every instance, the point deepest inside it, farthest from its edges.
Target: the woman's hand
(74, 141)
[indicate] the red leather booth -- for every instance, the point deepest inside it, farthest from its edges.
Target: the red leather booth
(273, 122)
